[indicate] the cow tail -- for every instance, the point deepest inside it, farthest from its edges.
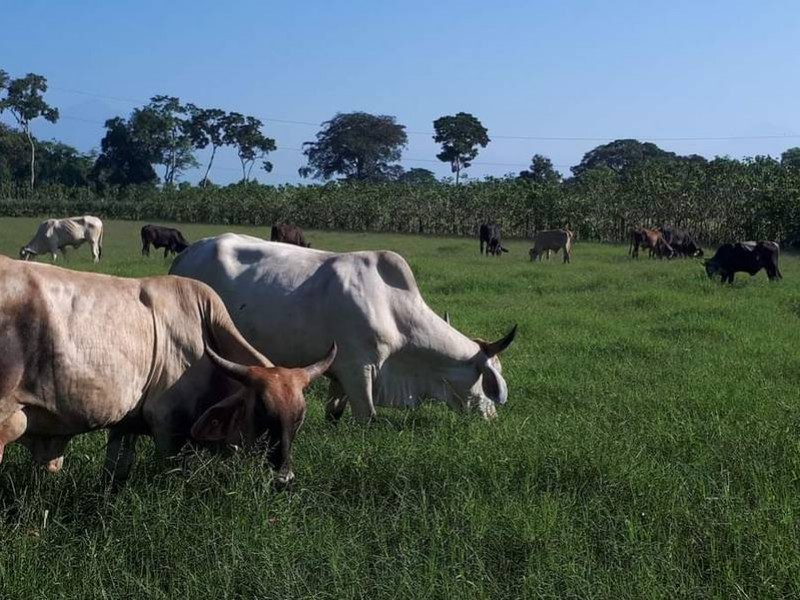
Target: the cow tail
(100, 243)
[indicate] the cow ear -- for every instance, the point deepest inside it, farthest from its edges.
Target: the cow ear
(219, 421)
(494, 386)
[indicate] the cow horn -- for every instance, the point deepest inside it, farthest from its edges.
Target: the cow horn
(232, 369)
(495, 348)
(318, 368)
(447, 317)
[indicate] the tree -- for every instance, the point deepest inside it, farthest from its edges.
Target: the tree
(791, 158)
(207, 127)
(124, 159)
(162, 127)
(251, 145)
(418, 176)
(13, 155)
(460, 136)
(541, 171)
(24, 100)
(358, 146)
(62, 164)
(620, 156)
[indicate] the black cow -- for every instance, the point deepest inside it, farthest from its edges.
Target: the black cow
(681, 241)
(288, 234)
(489, 234)
(158, 236)
(746, 257)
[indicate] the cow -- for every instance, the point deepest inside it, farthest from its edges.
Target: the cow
(288, 234)
(56, 234)
(746, 257)
(552, 240)
(489, 234)
(681, 241)
(159, 236)
(84, 351)
(393, 349)
(651, 239)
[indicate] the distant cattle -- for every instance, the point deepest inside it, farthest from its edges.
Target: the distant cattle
(653, 240)
(158, 236)
(56, 234)
(288, 234)
(489, 234)
(552, 240)
(745, 257)
(681, 241)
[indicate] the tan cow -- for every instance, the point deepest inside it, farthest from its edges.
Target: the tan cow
(56, 234)
(552, 240)
(83, 351)
(651, 239)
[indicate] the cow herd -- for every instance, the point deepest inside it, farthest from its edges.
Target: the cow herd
(219, 352)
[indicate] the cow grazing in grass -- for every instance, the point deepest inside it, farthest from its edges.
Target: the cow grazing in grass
(56, 234)
(159, 236)
(652, 240)
(745, 257)
(83, 351)
(393, 349)
(489, 236)
(288, 234)
(552, 240)
(681, 241)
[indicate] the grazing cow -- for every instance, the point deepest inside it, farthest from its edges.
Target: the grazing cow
(56, 234)
(681, 241)
(746, 257)
(552, 240)
(651, 239)
(83, 351)
(159, 236)
(489, 234)
(393, 349)
(288, 234)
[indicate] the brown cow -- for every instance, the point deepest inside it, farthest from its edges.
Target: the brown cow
(288, 234)
(651, 239)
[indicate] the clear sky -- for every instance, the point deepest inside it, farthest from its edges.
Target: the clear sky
(539, 69)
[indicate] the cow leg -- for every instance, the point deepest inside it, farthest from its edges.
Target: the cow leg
(357, 385)
(120, 454)
(336, 401)
(64, 253)
(12, 429)
(145, 248)
(166, 251)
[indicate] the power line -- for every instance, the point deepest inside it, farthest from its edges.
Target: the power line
(537, 138)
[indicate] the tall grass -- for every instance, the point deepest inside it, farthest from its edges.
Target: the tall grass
(649, 449)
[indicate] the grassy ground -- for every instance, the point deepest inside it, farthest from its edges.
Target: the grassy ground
(649, 449)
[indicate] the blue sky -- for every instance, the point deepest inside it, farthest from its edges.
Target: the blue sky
(558, 69)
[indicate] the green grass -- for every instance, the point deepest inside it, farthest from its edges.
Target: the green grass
(649, 449)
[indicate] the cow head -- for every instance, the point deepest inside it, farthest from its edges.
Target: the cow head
(712, 267)
(26, 253)
(481, 385)
(270, 402)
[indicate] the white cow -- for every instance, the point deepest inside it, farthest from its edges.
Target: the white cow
(292, 302)
(56, 234)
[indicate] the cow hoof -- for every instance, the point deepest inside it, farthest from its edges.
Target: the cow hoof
(284, 481)
(54, 466)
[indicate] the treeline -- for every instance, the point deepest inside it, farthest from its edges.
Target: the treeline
(718, 200)
(616, 186)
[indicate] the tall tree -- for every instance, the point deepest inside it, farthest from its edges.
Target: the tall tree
(124, 159)
(207, 127)
(620, 156)
(541, 171)
(791, 158)
(164, 129)
(460, 137)
(417, 176)
(63, 164)
(24, 100)
(357, 146)
(244, 133)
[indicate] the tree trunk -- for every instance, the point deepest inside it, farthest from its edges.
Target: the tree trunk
(208, 168)
(250, 170)
(33, 155)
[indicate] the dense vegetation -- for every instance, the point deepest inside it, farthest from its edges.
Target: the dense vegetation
(649, 449)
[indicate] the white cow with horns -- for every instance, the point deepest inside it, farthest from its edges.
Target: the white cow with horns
(56, 234)
(292, 302)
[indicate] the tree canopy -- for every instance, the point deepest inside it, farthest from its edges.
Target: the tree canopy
(541, 171)
(357, 146)
(460, 137)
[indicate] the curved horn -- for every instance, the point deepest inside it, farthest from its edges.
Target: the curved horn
(494, 348)
(231, 369)
(318, 368)
(447, 317)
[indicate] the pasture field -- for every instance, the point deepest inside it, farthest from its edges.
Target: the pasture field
(649, 449)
